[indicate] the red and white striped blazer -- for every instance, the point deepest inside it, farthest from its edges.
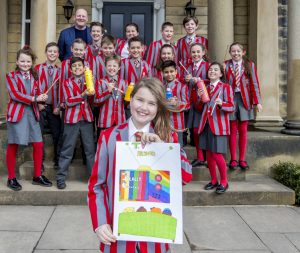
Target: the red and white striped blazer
(101, 188)
(129, 73)
(91, 52)
(42, 71)
(180, 91)
(249, 86)
(18, 96)
(183, 49)
(99, 69)
(120, 44)
(218, 119)
(76, 105)
(112, 111)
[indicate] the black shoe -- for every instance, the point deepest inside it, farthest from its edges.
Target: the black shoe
(244, 165)
(42, 181)
(197, 163)
(233, 165)
(210, 186)
(221, 189)
(14, 184)
(61, 184)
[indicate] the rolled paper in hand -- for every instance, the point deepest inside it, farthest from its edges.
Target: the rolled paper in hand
(88, 75)
(205, 96)
(128, 92)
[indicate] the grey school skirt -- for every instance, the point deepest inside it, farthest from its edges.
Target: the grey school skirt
(240, 112)
(212, 142)
(27, 130)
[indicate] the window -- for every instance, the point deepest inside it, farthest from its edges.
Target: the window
(26, 6)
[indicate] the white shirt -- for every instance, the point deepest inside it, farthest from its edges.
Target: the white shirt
(197, 64)
(239, 63)
(132, 130)
(214, 84)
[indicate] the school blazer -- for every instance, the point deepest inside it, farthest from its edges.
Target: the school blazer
(42, 71)
(249, 87)
(76, 106)
(90, 53)
(101, 193)
(129, 73)
(99, 69)
(120, 44)
(183, 49)
(18, 97)
(218, 120)
(111, 111)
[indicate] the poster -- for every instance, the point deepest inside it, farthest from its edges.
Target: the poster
(148, 193)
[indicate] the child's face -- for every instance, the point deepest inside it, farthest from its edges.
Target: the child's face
(108, 49)
(169, 74)
(78, 50)
(24, 62)
(190, 27)
(77, 69)
(167, 54)
(214, 73)
(237, 53)
(96, 33)
(131, 32)
(167, 33)
(143, 107)
(52, 54)
(197, 53)
(136, 49)
(112, 68)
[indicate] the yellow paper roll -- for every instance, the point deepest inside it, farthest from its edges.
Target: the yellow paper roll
(128, 92)
(88, 75)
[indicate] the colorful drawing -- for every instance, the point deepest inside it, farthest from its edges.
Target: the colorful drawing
(151, 223)
(150, 185)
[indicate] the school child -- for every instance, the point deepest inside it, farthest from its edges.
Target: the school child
(122, 46)
(214, 126)
(109, 96)
(135, 68)
(195, 70)
(149, 115)
(190, 25)
(179, 102)
(153, 55)
(166, 53)
(23, 116)
(242, 76)
(78, 120)
(48, 72)
(94, 49)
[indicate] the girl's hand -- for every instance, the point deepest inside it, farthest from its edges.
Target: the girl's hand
(42, 98)
(105, 234)
(188, 77)
(219, 101)
(195, 79)
(56, 111)
(259, 107)
(41, 107)
(148, 138)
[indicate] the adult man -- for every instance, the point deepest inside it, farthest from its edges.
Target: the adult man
(68, 35)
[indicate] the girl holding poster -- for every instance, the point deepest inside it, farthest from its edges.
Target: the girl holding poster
(151, 117)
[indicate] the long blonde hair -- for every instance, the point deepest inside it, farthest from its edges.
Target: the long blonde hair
(161, 121)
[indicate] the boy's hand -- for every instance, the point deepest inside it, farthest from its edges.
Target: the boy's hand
(110, 86)
(105, 234)
(56, 111)
(173, 101)
(188, 77)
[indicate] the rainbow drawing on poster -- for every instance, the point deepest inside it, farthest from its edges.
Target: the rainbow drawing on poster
(149, 186)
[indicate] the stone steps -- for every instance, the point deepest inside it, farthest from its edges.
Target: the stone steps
(255, 190)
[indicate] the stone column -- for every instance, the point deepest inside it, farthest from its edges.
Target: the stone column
(97, 7)
(263, 50)
(3, 56)
(42, 26)
(220, 28)
(292, 125)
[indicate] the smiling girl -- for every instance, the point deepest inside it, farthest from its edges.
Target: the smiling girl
(150, 116)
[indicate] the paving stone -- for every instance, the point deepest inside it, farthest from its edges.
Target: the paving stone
(295, 239)
(69, 228)
(232, 251)
(67, 251)
(218, 228)
(18, 242)
(24, 218)
(278, 219)
(181, 248)
(277, 242)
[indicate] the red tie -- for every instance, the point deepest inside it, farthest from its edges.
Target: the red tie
(138, 136)
(237, 75)
(50, 70)
(26, 75)
(137, 63)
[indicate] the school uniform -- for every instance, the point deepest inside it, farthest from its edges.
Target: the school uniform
(246, 94)
(99, 69)
(78, 120)
(122, 48)
(111, 104)
(153, 54)
(92, 50)
(47, 74)
(101, 187)
(131, 72)
(22, 114)
(183, 47)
